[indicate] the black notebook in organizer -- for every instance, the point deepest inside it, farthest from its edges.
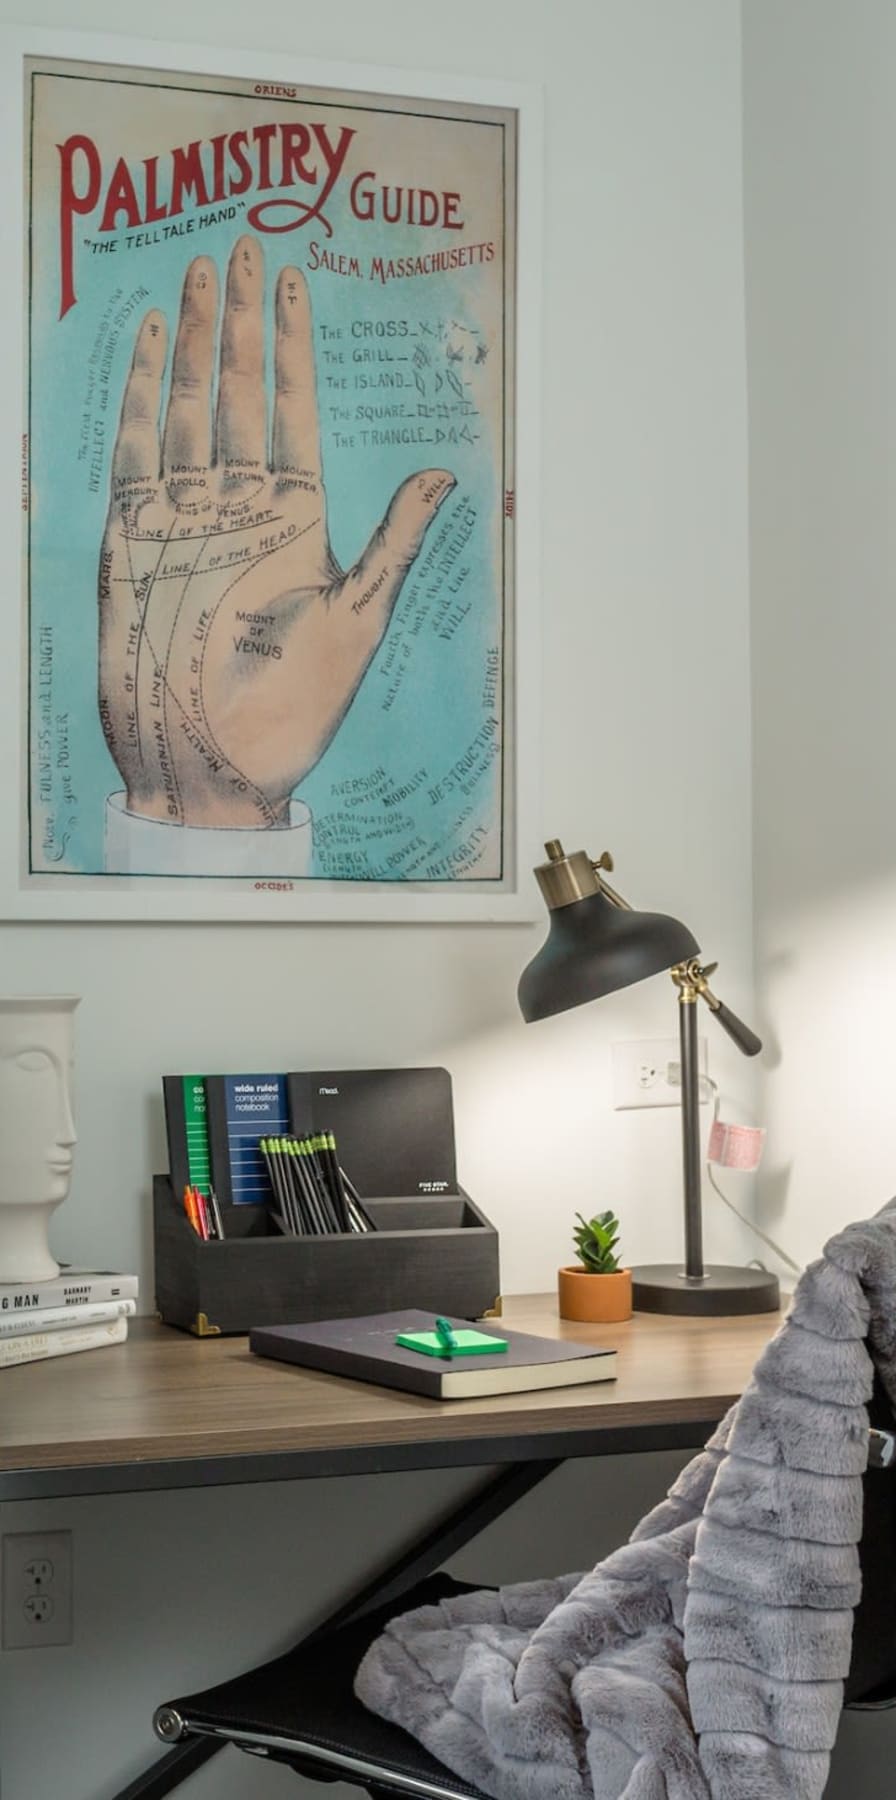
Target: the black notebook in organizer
(394, 1128)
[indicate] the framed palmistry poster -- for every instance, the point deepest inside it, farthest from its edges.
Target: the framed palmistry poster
(276, 488)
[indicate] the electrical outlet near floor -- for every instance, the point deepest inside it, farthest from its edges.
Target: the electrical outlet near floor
(641, 1072)
(35, 1589)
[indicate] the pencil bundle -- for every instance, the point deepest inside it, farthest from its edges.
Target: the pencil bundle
(313, 1195)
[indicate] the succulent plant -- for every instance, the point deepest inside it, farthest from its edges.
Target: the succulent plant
(595, 1241)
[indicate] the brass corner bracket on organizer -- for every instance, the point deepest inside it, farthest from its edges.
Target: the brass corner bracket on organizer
(202, 1327)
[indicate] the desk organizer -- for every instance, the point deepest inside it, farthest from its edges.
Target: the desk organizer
(438, 1253)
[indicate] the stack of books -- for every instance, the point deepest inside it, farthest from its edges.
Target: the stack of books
(78, 1309)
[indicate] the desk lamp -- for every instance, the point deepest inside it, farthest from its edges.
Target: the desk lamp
(596, 945)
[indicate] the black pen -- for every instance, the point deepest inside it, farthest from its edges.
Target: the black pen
(216, 1212)
(356, 1205)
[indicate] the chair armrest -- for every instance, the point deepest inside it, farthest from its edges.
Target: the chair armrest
(881, 1449)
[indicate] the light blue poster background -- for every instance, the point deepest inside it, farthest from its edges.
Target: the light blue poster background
(410, 373)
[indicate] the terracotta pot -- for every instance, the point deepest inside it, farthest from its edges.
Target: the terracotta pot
(594, 1299)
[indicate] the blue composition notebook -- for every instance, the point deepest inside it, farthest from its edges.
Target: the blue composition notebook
(242, 1109)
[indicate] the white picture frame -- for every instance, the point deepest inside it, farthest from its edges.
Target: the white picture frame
(122, 897)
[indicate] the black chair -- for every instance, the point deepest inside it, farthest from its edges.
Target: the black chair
(331, 1736)
(300, 1708)
(327, 1734)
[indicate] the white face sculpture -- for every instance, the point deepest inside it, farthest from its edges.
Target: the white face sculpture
(37, 1130)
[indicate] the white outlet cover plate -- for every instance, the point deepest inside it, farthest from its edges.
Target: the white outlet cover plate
(36, 1589)
(640, 1070)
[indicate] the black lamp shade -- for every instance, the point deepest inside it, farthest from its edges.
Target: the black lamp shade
(594, 948)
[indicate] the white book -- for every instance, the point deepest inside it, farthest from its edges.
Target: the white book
(36, 1345)
(71, 1287)
(54, 1318)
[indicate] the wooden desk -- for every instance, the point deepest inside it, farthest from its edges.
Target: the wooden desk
(166, 1410)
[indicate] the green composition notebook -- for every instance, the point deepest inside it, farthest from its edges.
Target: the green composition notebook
(186, 1121)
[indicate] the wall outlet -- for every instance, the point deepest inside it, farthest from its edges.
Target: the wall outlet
(641, 1072)
(36, 1589)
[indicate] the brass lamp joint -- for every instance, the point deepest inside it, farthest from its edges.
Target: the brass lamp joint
(691, 980)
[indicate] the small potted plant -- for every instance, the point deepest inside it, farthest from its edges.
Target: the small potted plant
(596, 1289)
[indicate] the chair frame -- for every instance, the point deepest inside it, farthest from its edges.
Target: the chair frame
(423, 1558)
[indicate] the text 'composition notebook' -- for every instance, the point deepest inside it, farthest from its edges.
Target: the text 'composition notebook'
(365, 1349)
(241, 1110)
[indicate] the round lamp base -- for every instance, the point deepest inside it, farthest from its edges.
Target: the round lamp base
(663, 1288)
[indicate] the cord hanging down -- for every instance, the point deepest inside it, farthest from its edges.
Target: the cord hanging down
(750, 1223)
(673, 1076)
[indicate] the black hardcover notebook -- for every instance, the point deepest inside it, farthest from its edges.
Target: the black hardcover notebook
(365, 1349)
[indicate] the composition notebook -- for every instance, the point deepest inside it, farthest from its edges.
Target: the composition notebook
(186, 1119)
(241, 1110)
(365, 1349)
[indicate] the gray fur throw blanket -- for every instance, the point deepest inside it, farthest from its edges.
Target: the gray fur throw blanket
(706, 1657)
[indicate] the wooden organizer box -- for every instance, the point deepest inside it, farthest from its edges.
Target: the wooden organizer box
(437, 1252)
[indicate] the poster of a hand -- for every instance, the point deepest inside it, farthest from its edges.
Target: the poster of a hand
(269, 570)
(231, 643)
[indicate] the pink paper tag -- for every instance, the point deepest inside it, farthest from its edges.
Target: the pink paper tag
(736, 1146)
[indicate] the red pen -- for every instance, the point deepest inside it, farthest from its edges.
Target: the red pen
(192, 1211)
(203, 1213)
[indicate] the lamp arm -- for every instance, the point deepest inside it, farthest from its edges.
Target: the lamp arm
(740, 1034)
(611, 894)
(695, 980)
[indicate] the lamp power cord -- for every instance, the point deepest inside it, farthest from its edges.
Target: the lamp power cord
(674, 1078)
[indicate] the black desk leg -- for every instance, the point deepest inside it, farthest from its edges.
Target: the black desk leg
(170, 1770)
(444, 1540)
